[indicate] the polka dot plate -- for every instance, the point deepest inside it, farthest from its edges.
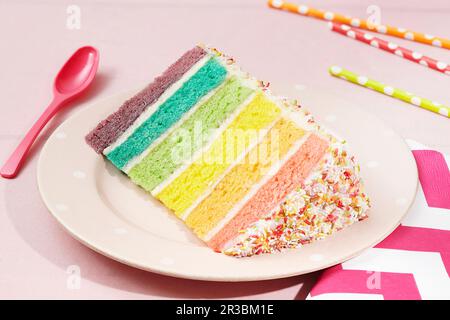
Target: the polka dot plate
(100, 207)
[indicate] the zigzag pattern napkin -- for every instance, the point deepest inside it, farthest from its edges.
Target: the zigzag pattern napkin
(414, 261)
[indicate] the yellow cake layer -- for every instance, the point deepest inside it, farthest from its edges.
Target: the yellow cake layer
(183, 191)
(242, 177)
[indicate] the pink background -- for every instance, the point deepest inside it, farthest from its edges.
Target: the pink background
(137, 39)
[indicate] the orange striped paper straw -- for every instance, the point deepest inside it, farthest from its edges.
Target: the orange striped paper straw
(359, 23)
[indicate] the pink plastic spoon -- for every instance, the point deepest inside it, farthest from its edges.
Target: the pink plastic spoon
(73, 78)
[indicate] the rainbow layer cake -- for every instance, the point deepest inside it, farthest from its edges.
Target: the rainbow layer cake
(248, 172)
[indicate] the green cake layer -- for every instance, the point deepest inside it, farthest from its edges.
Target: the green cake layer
(194, 133)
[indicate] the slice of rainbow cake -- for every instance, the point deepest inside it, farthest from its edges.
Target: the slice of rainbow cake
(248, 172)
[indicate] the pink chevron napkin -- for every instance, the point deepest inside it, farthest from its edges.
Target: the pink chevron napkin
(413, 262)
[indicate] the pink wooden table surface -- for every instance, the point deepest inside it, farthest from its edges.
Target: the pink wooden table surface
(137, 39)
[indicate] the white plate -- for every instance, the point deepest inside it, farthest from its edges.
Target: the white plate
(101, 208)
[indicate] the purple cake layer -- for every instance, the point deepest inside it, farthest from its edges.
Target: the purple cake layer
(109, 130)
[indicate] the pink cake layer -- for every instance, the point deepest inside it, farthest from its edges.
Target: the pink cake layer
(290, 176)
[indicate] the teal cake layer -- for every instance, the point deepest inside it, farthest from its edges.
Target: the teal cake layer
(204, 80)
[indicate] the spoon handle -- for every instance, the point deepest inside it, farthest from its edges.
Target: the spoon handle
(11, 168)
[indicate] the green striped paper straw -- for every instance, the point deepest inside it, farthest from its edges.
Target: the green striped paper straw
(390, 91)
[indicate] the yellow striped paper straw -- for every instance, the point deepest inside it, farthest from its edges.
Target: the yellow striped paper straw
(390, 91)
(360, 23)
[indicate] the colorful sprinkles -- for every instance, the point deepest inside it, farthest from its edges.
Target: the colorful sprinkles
(328, 201)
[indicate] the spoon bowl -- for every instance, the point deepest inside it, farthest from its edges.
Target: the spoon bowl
(78, 72)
